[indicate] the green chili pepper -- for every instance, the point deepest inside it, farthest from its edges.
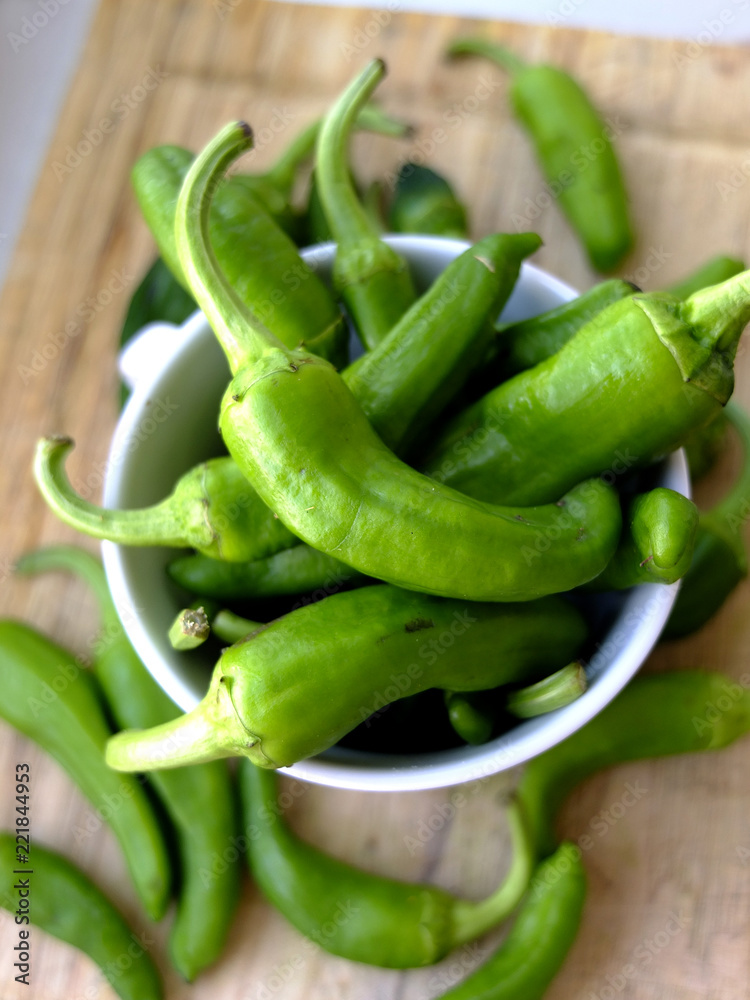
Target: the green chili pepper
(260, 261)
(540, 938)
(720, 558)
(189, 630)
(713, 272)
(704, 445)
(657, 542)
(626, 390)
(574, 149)
(372, 278)
(51, 699)
(67, 905)
(159, 297)
(654, 716)
(299, 436)
(547, 695)
(199, 800)
(424, 202)
(401, 386)
(280, 715)
(397, 925)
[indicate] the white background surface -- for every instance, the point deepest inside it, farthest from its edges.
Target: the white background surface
(35, 70)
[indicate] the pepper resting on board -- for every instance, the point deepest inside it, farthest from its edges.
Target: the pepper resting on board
(67, 905)
(49, 697)
(392, 924)
(574, 149)
(200, 801)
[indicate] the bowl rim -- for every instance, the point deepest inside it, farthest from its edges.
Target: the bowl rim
(367, 771)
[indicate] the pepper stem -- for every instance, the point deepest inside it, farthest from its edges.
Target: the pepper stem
(346, 217)
(472, 919)
(720, 313)
(157, 525)
(211, 731)
(490, 50)
(242, 335)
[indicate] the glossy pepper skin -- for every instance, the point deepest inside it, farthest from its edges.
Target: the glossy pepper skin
(392, 924)
(623, 392)
(656, 715)
(401, 385)
(67, 905)
(540, 937)
(522, 345)
(720, 560)
(657, 544)
(281, 715)
(200, 801)
(299, 436)
(574, 149)
(372, 279)
(51, 699)
(260, 261)
(424, 202)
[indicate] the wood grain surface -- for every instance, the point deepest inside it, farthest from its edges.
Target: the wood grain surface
(668, 913)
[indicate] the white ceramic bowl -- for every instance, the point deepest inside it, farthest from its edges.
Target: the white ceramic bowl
(178, 375)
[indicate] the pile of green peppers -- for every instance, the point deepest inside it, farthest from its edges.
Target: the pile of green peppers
(462, 478)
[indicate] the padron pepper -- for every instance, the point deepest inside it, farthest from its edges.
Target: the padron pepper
(67, 905)
(657, 543)
(299, 436)
(626, 390)
(656, 715)
(401, 386)
(265, 701)
(49, 697)
(200, 800)
(389, 923)
(719, 562)
(372, 279)
(573, 147)
(713, 272)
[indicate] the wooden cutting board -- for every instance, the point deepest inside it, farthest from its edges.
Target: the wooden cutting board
(668, 913)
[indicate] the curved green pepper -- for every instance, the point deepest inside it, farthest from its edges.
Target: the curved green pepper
(51, 699)
(657, 542)
(67, 905)
(372, 279)
(424, 202)
(720, 558)
(540, 937)
(260, 261)
(345, 495)
(397, 643)
(400, 385)
(199, 800)
(654, 716)
(626, 390)
(573, 147)
(393, 924)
